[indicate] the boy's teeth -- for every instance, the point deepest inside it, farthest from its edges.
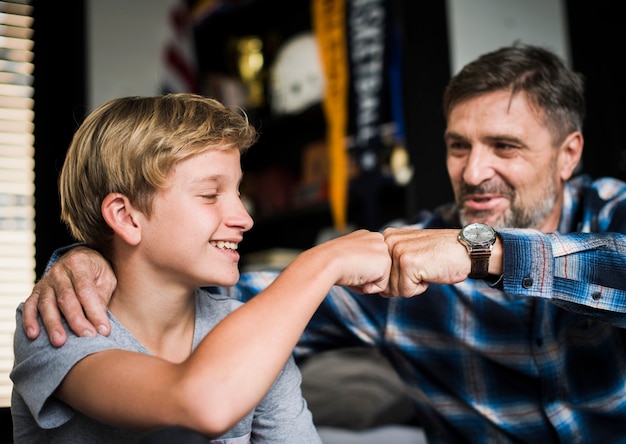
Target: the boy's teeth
(224, 244)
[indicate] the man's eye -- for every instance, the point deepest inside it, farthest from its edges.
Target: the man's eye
(458, 146)
(209, 196)
(505, 146)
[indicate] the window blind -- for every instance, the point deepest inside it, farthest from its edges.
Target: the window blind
(17, 230)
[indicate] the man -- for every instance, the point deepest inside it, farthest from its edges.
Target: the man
(531, 348)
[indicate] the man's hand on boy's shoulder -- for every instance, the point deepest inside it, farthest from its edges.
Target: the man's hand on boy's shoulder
(78, 286)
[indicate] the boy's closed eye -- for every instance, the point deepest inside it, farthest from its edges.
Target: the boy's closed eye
(210, 196)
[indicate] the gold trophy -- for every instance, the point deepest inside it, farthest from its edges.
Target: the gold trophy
(250, 65)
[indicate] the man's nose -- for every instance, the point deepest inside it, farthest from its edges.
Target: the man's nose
(479, 166)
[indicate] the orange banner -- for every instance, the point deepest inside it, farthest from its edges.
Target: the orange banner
(329, 26)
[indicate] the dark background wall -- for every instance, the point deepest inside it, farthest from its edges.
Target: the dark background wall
(60, 80)
(598, 43)
(596, 46)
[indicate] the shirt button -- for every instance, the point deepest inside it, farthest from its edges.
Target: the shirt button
(596, 295)
(527, 282)
(539, 342)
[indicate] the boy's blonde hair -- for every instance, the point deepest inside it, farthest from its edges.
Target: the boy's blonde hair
(129, 145)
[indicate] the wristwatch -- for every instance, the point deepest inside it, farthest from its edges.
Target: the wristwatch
(478, 239)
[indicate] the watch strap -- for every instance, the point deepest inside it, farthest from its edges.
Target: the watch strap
(480, 264)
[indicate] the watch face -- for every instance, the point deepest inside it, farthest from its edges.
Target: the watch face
(479, 233)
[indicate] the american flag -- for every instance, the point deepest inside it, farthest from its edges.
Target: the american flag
(179, 54)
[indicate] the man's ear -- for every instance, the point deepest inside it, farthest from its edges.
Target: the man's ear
(570, 153)
(122, 217)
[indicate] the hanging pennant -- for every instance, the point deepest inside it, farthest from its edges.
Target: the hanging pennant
(368, 54)
(329, 26)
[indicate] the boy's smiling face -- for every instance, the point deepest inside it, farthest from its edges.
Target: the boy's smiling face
(198, 221)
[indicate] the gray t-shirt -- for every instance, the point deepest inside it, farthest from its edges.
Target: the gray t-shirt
(281, 417)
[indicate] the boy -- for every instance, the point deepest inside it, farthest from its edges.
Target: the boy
(153, 184)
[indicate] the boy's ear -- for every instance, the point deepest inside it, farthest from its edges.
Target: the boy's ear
(121, 216)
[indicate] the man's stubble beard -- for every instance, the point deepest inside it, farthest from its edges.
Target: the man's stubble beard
(516, 216)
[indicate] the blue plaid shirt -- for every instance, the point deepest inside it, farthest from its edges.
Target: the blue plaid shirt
(540, 359)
